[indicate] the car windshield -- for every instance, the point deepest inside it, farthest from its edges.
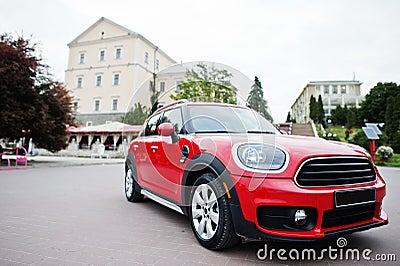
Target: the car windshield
(227, 119)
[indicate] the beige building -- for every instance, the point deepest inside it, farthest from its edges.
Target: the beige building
(109, 68)
(333, 93)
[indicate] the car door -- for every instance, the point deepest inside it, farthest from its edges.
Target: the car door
(166, 159)
(143, 153)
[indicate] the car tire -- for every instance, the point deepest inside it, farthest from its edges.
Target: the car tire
(210, 215)
(132, 189)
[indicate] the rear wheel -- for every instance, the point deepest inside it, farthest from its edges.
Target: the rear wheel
(132, 189)
(210, 216)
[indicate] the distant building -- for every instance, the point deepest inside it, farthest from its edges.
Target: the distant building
(333, 93)
(169, 79)
(108, 65)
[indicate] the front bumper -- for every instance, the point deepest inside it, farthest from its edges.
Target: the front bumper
(255, 194)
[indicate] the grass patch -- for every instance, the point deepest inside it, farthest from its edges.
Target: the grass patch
(393, 162)
(339, 131)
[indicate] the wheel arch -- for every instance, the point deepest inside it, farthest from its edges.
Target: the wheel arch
(130, 162)
(201, 164)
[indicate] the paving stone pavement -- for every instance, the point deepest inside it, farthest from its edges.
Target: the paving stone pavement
(78, 215)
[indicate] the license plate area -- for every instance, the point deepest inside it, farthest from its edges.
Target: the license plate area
(346, 198)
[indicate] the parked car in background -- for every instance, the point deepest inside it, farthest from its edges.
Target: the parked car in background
(237, 177)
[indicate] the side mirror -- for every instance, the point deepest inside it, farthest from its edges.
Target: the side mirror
(168, 129)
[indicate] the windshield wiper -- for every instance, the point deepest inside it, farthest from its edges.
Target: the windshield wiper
(260, 132)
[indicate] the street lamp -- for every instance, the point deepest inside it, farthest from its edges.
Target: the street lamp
(329, 121)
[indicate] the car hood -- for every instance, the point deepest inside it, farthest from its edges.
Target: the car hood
(297, 148)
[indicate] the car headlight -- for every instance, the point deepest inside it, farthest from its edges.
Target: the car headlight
(261, 156)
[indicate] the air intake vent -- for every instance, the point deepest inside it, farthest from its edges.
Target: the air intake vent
(335, 171)
(346, 216)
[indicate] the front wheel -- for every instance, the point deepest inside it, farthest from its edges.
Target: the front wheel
(211, 219)
(132, 189)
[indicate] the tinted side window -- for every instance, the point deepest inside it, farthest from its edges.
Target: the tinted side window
(174, 117)
(152, 124)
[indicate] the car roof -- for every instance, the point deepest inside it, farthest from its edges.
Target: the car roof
(188, 103)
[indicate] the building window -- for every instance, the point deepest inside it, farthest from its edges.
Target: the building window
(75, 107)
(352, 88)
(326, 89)
(79, 82)
(343, 90)
(102, 55)
(118, 52)
(317, 89)
(162, 86)
(98, 80)
(146, 57)
(177, 87)
(334, 89)
(81, 58)
(115, 104)
(89, 123)
(116, 79)
(96, 105)
(157, 64)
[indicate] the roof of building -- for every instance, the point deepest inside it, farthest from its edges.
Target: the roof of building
(114, 127)
(335, 81)
(129, 32)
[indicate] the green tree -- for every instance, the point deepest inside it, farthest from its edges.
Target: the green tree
(137, 115)
(33, 105)
(313, 108)
(288, 117)
(320, 110)
(373, 108)
(361, 139)
(256, 100)
(351, 118)
(207, 83)
(335, 114)
(382, 104)
(339, 115)
(392, 116)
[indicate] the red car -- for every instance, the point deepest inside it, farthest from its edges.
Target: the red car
(237, 177)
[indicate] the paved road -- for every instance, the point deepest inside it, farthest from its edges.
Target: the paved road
(79, 216)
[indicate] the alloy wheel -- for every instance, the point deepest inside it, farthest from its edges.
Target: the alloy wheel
(205, 211)
(128, 183)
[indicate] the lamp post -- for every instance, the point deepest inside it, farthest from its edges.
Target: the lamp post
(329, 121)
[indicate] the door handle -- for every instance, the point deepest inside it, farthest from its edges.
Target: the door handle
(154, 148)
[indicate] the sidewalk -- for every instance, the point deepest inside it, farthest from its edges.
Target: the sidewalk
(53, 161)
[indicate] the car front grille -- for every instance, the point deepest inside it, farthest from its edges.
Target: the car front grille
(335, 171)
(350, 215)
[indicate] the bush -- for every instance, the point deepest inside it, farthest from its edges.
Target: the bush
(361, 139)
(384, 153)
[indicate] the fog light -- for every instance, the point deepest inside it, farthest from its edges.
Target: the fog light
(300, 217)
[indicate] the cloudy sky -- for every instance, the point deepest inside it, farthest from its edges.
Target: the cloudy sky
(285, 43)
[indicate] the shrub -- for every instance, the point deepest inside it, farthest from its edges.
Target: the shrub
(384, 153)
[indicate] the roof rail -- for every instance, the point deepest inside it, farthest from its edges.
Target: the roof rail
(171, 104)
